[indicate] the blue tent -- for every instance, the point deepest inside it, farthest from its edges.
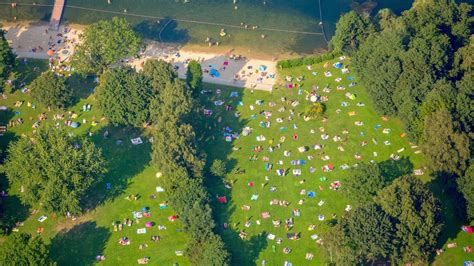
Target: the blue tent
(311, 194)
(214, 73)
(74, 125)
(262, 68)
(338, 65)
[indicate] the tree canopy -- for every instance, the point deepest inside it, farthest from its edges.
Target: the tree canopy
(7, 59)
(159, 72)
(54, 169)
(417, 214)
(51, 90)
(105, 43)
(315, 110)
(402, 59)
(364, 182)
(351, 30)
(23, 249)
(124, 96)
(194, 76)
(174, 151)
(218, 168)
(445, 149)
(364, 236)
(466, 187)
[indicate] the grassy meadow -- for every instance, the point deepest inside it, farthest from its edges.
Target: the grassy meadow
(77, 242)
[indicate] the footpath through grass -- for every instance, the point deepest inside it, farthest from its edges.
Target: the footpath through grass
(78, 242)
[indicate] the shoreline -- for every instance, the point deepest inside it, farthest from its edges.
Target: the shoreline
(189, 47)
(34, 40)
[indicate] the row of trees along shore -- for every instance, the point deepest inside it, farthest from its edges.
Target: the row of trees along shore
(57, 170)
(417, 66)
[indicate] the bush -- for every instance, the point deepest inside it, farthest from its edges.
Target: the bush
(309, 60)
(315, 110)
(51, 90)
(218, 168)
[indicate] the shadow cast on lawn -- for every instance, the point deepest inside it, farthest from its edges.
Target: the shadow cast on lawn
(124, 160)
(82, 87)
(444, 187)
(392, 169)
(212, 141)
(12, 211)
(79, 245)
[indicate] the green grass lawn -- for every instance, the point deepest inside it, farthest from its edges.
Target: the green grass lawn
(78, 242)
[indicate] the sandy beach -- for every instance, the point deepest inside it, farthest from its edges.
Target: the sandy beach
(34, 40)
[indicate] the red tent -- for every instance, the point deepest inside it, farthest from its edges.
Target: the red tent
(172, 218)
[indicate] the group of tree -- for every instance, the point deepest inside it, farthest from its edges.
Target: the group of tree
(396, 222)
(23, 249)
(175, 153)
(419, 66)
(54, 169)
(7, 60)
(155, 97)
(52, 90)
(314, 110)
(104, 44)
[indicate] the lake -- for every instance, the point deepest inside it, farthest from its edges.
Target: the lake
(271, 27)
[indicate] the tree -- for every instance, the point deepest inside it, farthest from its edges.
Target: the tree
(364, 182)
(417, 215)
(378, 63)
(124, 97)
(351, 31)
(23, 249)
(194, 76)
(363, 237)
(314, 110)
(446, 150)
(54, 169)
(51, 90)
(210, 252)
(159, 72)
(7, 59)
(218, 168)
(466, 187)
(105, 43)
(174, 138)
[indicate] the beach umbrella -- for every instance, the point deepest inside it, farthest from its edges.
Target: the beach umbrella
(50, 52)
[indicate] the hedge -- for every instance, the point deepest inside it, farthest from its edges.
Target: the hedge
(308, 60)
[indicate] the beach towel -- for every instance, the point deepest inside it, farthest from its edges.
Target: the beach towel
(136, 141)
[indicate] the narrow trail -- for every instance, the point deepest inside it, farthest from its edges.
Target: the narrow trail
(175, 19)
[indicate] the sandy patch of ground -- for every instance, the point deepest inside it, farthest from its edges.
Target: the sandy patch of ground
(34, 40)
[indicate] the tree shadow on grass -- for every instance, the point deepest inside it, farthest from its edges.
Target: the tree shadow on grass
(212, 141)
(79, 245)
(392, 169)
(444, 187)
(81, 87)
(12, 211)
(124, 160)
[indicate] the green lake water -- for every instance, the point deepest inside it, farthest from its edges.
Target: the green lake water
(287, 25)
